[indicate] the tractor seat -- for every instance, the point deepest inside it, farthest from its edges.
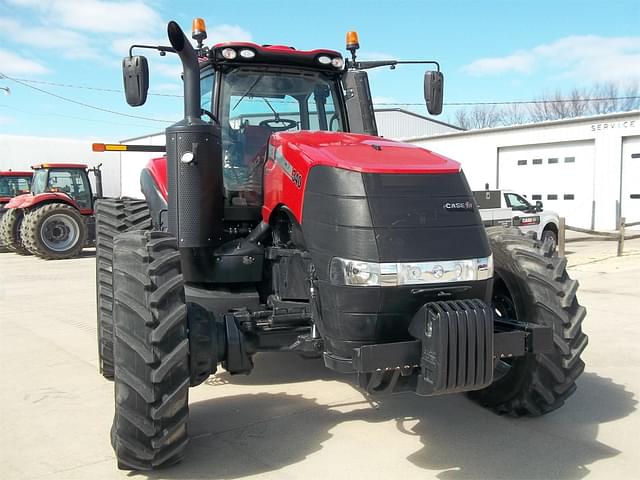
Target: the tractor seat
(255, 138)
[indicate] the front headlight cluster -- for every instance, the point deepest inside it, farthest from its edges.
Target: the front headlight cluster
(369, 274)
(336, 62)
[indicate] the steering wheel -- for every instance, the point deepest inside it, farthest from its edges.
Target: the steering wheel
(287, 124)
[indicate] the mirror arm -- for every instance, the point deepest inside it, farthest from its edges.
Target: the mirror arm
(364, 65)
(163, 50)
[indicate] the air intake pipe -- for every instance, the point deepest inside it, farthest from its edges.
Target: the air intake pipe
(194, 167)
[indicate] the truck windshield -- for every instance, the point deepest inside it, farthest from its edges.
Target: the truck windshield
(254, 103)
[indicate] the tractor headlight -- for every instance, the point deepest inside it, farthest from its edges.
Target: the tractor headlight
(229, 53)
(369, 274)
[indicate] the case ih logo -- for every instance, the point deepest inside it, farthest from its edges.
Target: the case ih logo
(458, 206)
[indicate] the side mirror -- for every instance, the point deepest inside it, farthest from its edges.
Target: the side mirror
(135, 73)
(433, 91)
(538, 205)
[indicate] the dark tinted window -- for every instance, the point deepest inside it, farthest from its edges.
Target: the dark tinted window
(553, 160)
(552, 196)
(522, 162)
(569, 159)
(10, 186)
(73, 183)
(536, 197)
(568, 196)
(537, 161)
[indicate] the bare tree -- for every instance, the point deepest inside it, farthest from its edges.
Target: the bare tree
(514, 114)
(599, 99)
(480, 116)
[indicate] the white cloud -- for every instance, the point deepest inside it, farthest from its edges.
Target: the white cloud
(586, 57)
(98, 16)
(12, 64)
(521, 62)
(6, 120)
(227, 33)
(68, 43)
(366, 55)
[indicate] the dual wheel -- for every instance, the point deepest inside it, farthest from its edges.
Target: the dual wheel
(151, 340)
(52, 231)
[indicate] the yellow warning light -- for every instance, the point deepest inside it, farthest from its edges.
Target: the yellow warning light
(108, 147)
(352, 41)
(198, 29)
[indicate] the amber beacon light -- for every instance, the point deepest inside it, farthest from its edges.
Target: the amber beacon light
(198, 30)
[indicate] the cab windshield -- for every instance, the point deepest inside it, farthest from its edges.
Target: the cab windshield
(39, 182)
(254, 103)
(13, 185)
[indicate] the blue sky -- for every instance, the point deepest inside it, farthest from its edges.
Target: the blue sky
(489, 51)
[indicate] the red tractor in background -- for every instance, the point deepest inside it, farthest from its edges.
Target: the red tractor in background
(12, 183)
(281, 222)
(55, 220)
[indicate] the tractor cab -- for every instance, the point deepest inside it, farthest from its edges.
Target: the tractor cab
(13, 183)
(252, 101)
(69, 179)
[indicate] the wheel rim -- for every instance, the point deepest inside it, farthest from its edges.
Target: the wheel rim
(549, 237)
(59, 232)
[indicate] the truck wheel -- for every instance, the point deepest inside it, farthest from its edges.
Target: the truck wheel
(113, 216)
(151, 352)
(10, 231)
(531, 284)
(54, 231)
(550, 236)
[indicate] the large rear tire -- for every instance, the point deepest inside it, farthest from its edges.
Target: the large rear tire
(54, 231)
(151, 352)
(113, 216)
(531, 284)
(10, 231)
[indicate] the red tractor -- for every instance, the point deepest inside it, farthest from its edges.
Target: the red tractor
(55, 219)
(281, 222)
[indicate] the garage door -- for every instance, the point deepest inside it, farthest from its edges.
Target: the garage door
(630, 184)
(561, 175)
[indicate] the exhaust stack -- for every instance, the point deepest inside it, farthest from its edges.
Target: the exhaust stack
(194, 169)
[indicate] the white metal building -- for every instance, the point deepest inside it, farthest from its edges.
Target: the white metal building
(587, 169)
(20, 152)
(400, 124)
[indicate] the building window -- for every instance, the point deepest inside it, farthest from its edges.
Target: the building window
(536, 197)
(568, 196)
(553, 160)
(537, 161)
(552, 196)
(522, 162)
(569, 159)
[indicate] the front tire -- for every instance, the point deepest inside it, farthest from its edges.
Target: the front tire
(113, 216)
(531, 284)
(151, 352)
(54, 231)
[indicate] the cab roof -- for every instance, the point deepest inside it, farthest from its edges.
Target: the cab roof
(59, 165)
(12, 173)
(275, 55)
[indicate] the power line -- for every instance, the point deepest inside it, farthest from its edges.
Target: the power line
(86, 105)
(458, 104)
(86, 87)
(517, 102)
(49, 114)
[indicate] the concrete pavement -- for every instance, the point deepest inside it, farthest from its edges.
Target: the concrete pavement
(292, 418)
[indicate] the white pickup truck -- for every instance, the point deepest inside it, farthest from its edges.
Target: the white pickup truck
(508, 208)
